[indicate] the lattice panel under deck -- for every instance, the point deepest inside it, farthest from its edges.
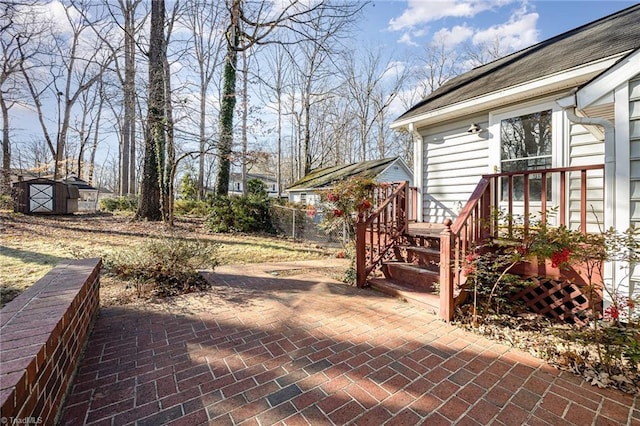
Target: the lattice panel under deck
(560, 300)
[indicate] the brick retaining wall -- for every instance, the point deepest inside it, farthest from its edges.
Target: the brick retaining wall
(43, 332)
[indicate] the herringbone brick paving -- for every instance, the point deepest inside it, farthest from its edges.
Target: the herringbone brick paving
(261, 349)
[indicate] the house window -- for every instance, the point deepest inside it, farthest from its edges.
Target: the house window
(526, 144)
(303, 198)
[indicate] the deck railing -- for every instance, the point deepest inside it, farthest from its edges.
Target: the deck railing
(477, 222)
(382, 229)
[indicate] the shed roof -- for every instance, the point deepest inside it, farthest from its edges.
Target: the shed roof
(79, 183)
(608, 36)
(325, 177)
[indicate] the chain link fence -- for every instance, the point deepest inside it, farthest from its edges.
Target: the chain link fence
(301, 226)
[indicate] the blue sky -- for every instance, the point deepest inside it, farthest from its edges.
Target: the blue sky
(404, 25)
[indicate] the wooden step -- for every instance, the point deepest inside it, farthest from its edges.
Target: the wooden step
(425, 256)
(422, 298)
(410, 274)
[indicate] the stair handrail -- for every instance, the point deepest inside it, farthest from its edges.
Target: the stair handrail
(454, 242)
(394, 227)
(476, 223)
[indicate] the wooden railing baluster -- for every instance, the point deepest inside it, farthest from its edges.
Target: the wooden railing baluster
(583, 201)
(476, 223)
(473, 226)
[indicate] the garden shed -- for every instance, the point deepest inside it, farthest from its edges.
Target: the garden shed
(45, 196)
(87, 194)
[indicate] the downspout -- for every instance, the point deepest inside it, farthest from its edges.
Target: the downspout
(418, 164)
(569, 105)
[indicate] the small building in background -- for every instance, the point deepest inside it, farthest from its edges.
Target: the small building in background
(45, 196)
(236, 187)
(88, 195)
(308, 189)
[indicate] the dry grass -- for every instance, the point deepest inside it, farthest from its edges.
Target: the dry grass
(31, 245)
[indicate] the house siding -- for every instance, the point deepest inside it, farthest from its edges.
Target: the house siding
(395, 173)
(454, 161)
(634, 159)
(586, 149)
(634, 141)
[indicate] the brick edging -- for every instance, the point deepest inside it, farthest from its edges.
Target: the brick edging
(43, 332)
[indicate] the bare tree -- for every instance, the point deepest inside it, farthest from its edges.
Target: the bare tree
(439, 64)
(372, 83)
(150, 206)
(16, 29)
(124, 14)
(77, 62)
(275, 82)
(481, 53)
(260, 23)
(202, 18)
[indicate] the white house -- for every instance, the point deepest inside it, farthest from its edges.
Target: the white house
(236, 187)
(307, 190)
(572, 100)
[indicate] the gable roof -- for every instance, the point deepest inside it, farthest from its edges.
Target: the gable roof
(324, 178)
(266, 178)
(614, 34)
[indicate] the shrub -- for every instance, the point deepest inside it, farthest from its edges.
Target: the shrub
(169, 266)
(221, 218)
(123, 203)
(191, 207)
(345, 200)
(189, 187)
(6, 202)
(240, 214)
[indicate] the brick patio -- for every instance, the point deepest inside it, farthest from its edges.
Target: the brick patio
(302, 349)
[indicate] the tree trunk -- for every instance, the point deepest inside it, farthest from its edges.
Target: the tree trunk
(168, 172)
(279, 160)
(149, 207)
(6, 149)
(245, 113)
(307, 138)
(203, 118)
(94, 145)
(228, 104)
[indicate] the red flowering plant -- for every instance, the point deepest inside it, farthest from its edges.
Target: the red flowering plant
(613, 335)
(488, 269)
(344, 201)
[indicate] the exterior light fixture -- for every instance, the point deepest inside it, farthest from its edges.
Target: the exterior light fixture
(474, 128)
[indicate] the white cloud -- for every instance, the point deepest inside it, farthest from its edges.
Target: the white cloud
(61, 24)
(451, 37)
(394, 69)
(517, 33)
(421, 12)
(406, 39)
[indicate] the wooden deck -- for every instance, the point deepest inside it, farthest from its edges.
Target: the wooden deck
(424, 229)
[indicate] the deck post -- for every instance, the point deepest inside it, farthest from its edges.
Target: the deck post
(361, 255)
(446, 274)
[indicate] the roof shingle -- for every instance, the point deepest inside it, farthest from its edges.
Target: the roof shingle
(611, 35)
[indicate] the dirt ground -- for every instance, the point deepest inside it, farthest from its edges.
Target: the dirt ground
(32, 245)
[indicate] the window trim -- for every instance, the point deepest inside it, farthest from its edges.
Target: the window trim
(557, 131)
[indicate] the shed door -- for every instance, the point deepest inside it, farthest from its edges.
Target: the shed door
(40, 198)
